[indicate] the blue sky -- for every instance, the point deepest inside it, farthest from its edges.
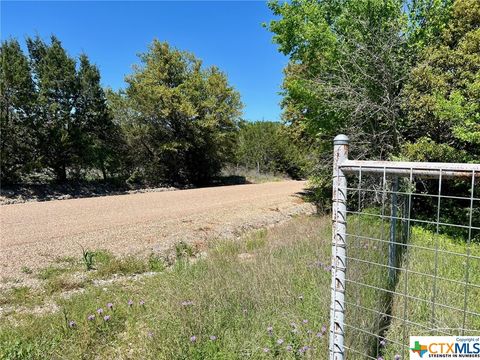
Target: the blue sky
(225, 33)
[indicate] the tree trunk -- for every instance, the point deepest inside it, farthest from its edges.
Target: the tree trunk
(61, 173)
(104, 171)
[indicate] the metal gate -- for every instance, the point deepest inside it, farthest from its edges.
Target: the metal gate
(405, 254)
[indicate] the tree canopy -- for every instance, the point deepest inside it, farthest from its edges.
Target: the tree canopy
(267, 147)
(442, 95)
(182, 117)
(54, 115)
(17, 96)
(399, 77)
(175, 123)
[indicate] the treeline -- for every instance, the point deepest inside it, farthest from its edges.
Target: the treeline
(400, 77)
(176, 122)
(54, 115)
(268, 147)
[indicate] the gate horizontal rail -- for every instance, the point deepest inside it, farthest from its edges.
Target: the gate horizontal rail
(426, 170)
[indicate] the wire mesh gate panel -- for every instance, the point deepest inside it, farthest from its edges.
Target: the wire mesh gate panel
(405, 254)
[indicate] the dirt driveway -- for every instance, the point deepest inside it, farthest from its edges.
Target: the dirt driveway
(36, 233)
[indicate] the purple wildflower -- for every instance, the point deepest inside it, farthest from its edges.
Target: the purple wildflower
(280, 341)
(303, 349)
(142, 302)
(91, 317)
(270, 330)
(305, 321)
(397, 357)
(100, 311)
(130, 302)
(289, 348)
(110, 305)
(193, 338)
(324, 328)
(150, 334)
(72, 323)
(106, 317)
(213, 337)
(187, 303)
(266, 350)
(319, 334)
(382, 343)
(380, 358)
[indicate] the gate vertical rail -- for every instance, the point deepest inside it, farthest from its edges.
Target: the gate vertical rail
(339, 227)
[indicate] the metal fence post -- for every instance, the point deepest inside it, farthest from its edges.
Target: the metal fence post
(339, 215)
(392, 246)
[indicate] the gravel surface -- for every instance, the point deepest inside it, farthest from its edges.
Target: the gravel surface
(34, 234)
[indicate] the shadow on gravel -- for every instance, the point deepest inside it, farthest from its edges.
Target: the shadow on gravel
(45, 192)
(20, 193)
(310, 195)
(229, 180)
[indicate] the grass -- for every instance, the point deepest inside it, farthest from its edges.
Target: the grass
(234, 297)
(26, 270)
(265, 295)
(107, 265)
(253, 177)
(69, 274)
(256, 240)
(63, 283)
(21, 295)
(367, 263)
(51, 272)
(374, 315)
(448, 317)
(183, 250)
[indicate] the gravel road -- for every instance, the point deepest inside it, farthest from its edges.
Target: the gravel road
(35, 234)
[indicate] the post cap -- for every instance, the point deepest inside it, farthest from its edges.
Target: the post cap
(341, 140)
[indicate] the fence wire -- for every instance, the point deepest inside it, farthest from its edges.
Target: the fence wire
(406, 255)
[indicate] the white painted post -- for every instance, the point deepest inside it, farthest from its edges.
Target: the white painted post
(339, 229)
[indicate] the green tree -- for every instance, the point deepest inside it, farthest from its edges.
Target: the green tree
(267, 147)
(349, 61)
(442, 102)
(57, 88)
(16, 112)
(179, 118)
(346, 70)
(442, 96)
(73, 127)
(426, 21)
(98, 138)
